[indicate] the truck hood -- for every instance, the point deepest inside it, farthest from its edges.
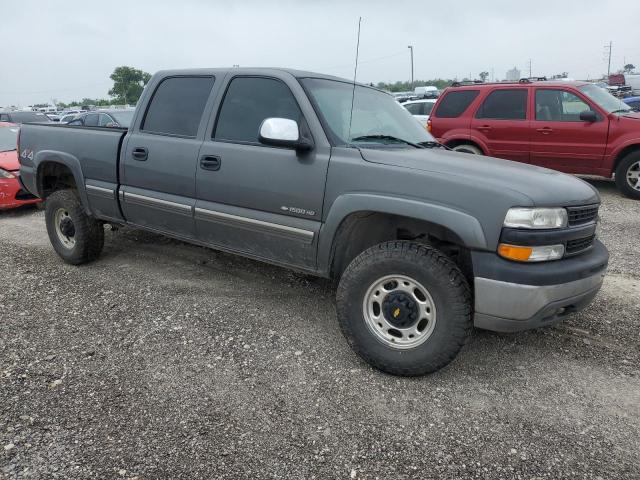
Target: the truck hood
(543, 186)
(9, 160)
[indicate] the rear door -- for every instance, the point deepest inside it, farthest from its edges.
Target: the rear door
(559, 139)
(160, 156)
(501, 123)
(261, 200)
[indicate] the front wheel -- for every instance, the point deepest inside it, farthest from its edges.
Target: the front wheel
(74, 235)
(405, 308)
(628, 175)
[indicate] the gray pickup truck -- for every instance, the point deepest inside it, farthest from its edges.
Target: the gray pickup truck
(317, 174)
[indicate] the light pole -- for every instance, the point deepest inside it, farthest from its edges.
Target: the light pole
(410, 47)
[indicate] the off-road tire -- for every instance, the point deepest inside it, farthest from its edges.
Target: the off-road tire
(621, 175)
(89, 232)
(446, 284)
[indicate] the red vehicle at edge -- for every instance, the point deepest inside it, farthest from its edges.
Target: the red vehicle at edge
(11, 192)
(574, 127)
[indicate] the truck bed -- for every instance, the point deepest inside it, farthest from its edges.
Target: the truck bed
(91, 153)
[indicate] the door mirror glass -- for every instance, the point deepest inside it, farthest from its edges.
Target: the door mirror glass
(281, 132)
(588, 116)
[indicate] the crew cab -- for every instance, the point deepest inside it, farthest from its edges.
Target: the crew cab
(319, 175)
(573, 127)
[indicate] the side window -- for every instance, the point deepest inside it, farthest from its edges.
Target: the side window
(91, 120)
(104, 120)
(455, 103)
(558, 106)
(4, 117)
(414, 108)
(250, 100)
(504, 105)
(177, 105)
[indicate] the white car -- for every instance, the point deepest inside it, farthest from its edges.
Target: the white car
(420, 109)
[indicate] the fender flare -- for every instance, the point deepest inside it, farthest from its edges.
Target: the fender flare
(69, 161)
(466, 227)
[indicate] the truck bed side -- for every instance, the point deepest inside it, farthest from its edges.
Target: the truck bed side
(90, 154)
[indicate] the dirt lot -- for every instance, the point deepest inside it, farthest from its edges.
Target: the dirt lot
(165, 360)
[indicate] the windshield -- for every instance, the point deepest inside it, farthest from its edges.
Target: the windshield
(604, 99)
(123, 118)
(8, 138)
(375, 114)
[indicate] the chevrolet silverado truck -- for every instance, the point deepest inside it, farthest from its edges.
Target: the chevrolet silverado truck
(335, 179)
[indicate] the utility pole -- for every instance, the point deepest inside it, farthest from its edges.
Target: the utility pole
(610, 47)
(530, 74)
(410, 47)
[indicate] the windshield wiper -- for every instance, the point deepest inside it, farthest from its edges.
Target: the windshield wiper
(432, 144)
(623, 110)
(385, 137)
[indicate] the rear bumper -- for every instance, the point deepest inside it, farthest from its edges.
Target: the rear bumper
(510, 297)
(13, 195)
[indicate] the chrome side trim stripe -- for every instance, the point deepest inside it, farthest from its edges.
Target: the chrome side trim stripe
(100, 191)
(145, 201)
(237, 221)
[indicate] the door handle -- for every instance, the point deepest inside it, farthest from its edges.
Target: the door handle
(545, 130)
(210, 162)
(484, 128)
(140, 154)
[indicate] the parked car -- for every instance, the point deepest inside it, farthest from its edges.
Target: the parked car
(633, 102)
(53, 117)
(427, 92)
(68, 117)
(104, 118)
(314, 173)
(574, 127)
(402, 97)
(420, 109)
(23, 117)
(11, 192)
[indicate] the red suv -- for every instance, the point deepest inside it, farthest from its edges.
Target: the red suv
(574, 127)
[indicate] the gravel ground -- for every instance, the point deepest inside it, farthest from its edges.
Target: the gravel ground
(165, 360)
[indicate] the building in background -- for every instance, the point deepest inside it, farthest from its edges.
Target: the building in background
(513, 75)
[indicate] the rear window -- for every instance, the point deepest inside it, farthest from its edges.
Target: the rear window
(8, 138)
(24, 117)
(455, 103)
(504, 105)
(177, 105)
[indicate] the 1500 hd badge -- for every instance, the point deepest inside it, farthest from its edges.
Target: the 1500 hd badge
(298, 211)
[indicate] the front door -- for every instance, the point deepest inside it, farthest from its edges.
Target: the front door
(260, 200)
(502, 124)
(559, 139)
(160, 157)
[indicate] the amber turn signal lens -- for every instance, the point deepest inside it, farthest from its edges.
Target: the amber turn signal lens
(513, 252)
(429, 126)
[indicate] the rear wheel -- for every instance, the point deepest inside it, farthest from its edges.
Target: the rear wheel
(628, 175)
(405, 308)
(466, 148)
(74, 235)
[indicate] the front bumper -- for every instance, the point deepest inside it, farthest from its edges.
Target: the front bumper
(513, 296)
(13, 195)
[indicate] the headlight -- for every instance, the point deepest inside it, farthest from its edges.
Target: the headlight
(5, 174)
(531, 254)
(536, 218)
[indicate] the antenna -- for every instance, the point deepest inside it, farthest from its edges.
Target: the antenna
(355, 72)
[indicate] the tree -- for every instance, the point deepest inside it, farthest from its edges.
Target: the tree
(629, 68)
(128, 83)
(483, 76)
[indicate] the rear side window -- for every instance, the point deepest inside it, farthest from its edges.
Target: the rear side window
(504, 105)
(248, 102)
(455, 103)
(91, 120)
(414, 108)
(177, 106)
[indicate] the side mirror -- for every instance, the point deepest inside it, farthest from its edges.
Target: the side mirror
(283, 132)
(588, 116)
